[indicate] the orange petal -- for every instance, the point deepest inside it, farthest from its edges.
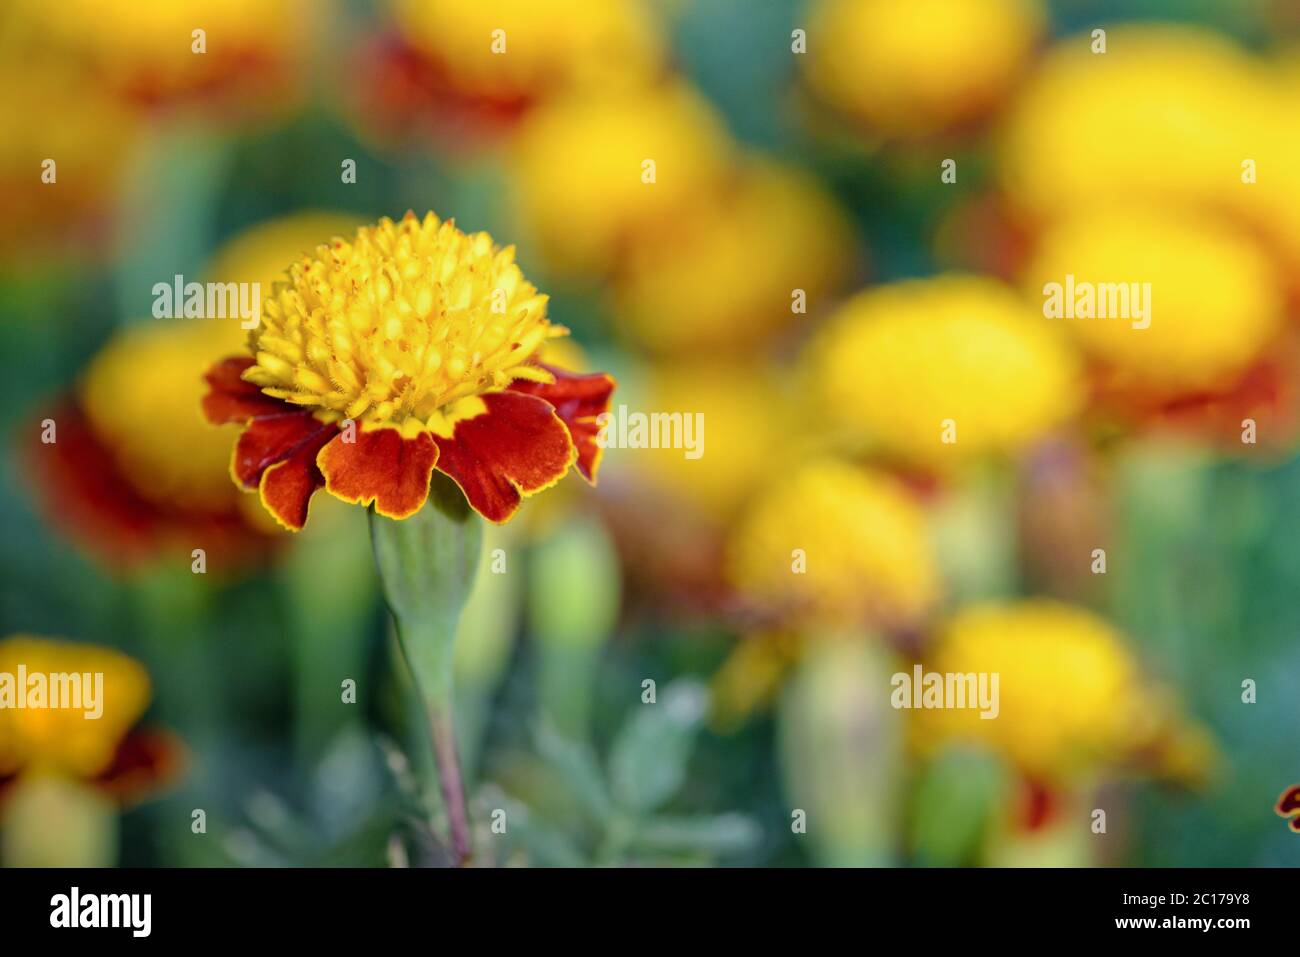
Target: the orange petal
(230, 398)
(517, 447)
(276, 455)
(381, 467)
(578, 400)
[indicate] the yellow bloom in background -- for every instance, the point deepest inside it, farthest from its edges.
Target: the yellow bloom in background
(147, 52)
(1071, 700)
(1272, 201)
(64, 739)
(49, 113)
(937, 371)
(738, 444)
(725, 274)
(141, 394)
(263, 253)
(592, 173)
(1167, 112)
(540, 49)
(917, 67)
(834, 546)
(1214, 301)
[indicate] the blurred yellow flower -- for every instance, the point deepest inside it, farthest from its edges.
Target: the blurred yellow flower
(834, 546)
(526, 49)
(594, 172)
(735, 271)
(249, 53)
(1071, 700)
(937, 371)
(917, 67)
(63, 148)
(1214, 300)
(738, 443)
(141, 394)
(65, 739)
(1167, 112)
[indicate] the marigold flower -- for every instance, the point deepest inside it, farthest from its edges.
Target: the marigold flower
(134, 471)
(540, 49)
(725, 273)
(253, 51)
(1071, 697)
(917, 67)
(836, 546)
(410, 347)
(1168, 113)
(595, 172)
(51, 113)
(110, 751)
(1215, 299)
(935, 371)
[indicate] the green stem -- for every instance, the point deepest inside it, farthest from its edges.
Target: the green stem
(427, 564)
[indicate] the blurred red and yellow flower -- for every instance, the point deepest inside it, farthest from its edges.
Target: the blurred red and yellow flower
(465, 69)
(111, 752)
(1215, 300)
(133, 472)
(834, 547)
(919, 67)
(410, 347)
(935, 372)
(1168, 114)
(251, 55)
(593, 173)
(1073, 702)
(64, 144)
(734, 272)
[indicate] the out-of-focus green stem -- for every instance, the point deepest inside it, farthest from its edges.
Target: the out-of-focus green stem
(426, 566)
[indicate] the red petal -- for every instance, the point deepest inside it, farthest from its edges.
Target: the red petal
(230, 398)
(84, 492)
(578, 400)
(381, 467)
(519, 446)
(276, 455)
(146, 761)
(1289, 802)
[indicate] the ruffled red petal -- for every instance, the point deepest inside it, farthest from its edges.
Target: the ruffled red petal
(276, 455)
(380, 467)
(231, 399)
(578, 400)
(517, 447)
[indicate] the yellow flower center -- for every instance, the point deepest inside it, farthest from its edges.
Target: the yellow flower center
(402, 326)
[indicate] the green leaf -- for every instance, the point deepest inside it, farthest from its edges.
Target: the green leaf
(650, 754)
(577, 766)
(722, 834)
